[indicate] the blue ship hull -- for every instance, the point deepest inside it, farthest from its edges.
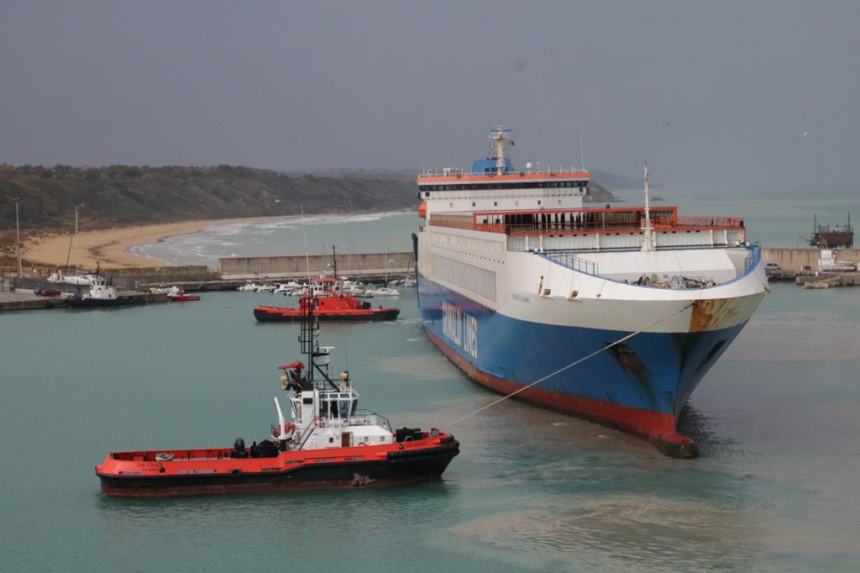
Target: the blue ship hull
(639, 386)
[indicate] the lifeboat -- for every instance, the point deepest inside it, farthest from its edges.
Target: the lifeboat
(325, 441)
(330, 303)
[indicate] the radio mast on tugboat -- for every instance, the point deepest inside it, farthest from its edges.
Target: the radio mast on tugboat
(327, 441)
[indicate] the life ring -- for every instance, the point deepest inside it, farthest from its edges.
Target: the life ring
(289, 428)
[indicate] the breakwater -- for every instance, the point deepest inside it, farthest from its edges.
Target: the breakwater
(800, 260)
(365, 266)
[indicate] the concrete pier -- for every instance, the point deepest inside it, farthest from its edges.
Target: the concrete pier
(23, 299)
(798, 260)
(362, 266)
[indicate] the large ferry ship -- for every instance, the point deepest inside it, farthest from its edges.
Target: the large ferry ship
(611, 314)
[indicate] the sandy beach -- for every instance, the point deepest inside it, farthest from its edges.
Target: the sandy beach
(110, 247)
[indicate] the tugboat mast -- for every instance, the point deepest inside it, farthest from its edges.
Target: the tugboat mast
(334, 262)
(309, 342)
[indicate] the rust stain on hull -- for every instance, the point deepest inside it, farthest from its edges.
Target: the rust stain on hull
(713, 314)
(627, 358)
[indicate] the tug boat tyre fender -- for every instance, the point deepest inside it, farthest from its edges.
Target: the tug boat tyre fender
(449, 449)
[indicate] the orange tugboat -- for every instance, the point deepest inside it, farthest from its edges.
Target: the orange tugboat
(331, 303)
(327, 441)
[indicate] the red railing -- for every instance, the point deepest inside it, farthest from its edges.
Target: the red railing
(584, 221)
(721, 222)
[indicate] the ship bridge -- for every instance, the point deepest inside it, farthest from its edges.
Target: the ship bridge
(494, 184)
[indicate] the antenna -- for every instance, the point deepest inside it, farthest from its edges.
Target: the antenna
(76, 235)
(647, 244)
(334, 262)
(305, 239)
(18, 235)
(581, 150)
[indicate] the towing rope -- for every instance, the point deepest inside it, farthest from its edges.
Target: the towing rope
(571, 365)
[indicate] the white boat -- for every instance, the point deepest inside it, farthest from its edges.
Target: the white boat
(77, 279)
(382, 291)
(103, 293)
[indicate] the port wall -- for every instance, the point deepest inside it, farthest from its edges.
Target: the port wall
(353, 265)
(796, 259)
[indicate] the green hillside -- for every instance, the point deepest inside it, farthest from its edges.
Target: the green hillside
(129, 195)
(125, 195)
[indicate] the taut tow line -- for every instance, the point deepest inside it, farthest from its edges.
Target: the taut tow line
(624, 338)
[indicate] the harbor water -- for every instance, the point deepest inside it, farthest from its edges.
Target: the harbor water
(775, 488)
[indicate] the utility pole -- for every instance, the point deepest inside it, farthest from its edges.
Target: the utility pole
(18, 236)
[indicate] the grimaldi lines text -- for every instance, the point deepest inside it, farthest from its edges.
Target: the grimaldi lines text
(518, 280)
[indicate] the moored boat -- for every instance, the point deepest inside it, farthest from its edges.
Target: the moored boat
(327, 441)
(102, 293)
(331, 304)
(176, 294)
(382, 291)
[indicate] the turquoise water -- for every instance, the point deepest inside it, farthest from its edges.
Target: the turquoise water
(776, 488)
(364, 233)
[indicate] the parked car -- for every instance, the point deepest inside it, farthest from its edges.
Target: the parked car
(47, 292)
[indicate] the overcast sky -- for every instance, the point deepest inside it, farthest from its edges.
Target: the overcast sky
(752, 92)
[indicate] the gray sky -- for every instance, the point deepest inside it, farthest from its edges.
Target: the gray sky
(710, 92)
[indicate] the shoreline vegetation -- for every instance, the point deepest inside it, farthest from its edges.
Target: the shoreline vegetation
(121, 206)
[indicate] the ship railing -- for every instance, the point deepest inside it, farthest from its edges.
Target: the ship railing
(584, 227)
(753, 258)
(571, 261)
(368, 418)
(306, 435)
(459, 172)
(714, 222)
(664, 219)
